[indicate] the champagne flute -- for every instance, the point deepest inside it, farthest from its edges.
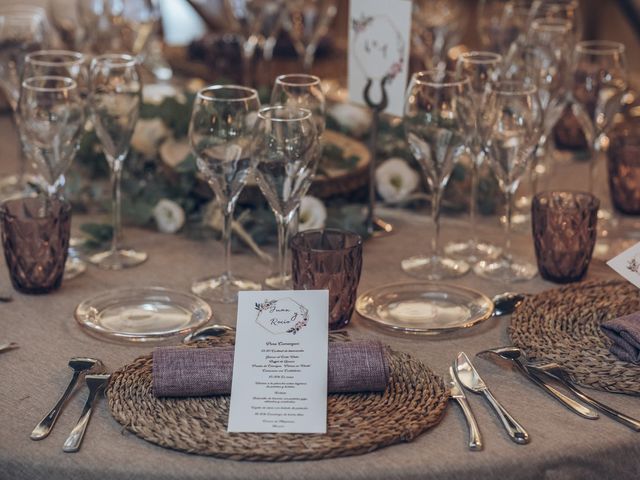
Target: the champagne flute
(115, 97)
(285, 160)
(307, 22)
(221, 137)
(438, 116)
(482, 68)
(301, 90)
(516, 129)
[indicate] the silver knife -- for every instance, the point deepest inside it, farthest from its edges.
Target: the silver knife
(475, 441)
(468, 376)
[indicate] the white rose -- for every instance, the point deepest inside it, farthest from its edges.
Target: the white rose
(168, 215)
(396, 180)
(148, 135)
(313, 214)
(155, 93)
(353, 118)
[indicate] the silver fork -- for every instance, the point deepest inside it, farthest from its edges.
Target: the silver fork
(96, 384)
(557, 372)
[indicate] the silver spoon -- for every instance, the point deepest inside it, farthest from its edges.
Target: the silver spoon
(214, 330)
(80, 365)
(505, 303)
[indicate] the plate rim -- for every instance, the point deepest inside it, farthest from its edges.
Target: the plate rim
(421, 331)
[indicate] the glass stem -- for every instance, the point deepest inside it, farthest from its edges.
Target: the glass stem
(283, 237)
(435, 216)
(595, 152)
(307, 59)
(507, 240)
(22, 158)
(473, 201)
(116, 199)
(226, 238)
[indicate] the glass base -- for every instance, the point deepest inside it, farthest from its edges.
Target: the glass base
(472, 252)
(434, 268)
(119, 259)
(276, 282)
(74, 266)
(222, 289)
(507, 271)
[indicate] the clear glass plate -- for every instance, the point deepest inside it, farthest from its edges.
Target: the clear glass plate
(142, 314)
(424, 308)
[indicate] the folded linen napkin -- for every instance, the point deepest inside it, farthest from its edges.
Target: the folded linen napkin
(194, 372)
(625, 334)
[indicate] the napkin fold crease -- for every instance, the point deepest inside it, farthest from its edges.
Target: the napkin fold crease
(624, 332)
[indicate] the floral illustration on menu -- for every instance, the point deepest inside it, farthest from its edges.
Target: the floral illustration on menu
(282, 316)
(378, 46)
(633, 265)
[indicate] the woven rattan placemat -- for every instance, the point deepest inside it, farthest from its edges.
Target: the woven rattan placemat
(563, 326)
(414, 401)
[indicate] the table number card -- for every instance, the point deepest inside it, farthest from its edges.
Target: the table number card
(280, 364)
(627, 264)
(379, 39)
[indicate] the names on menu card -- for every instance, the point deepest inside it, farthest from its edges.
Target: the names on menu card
(280, 364)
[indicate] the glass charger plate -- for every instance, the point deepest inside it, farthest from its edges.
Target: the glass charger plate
(424, 308)
(142, 314)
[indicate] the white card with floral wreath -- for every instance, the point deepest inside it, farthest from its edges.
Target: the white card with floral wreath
(379, 39)
(280, 362)
(627, 264)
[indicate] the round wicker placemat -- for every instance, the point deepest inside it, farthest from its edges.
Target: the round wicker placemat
(414, 401)
(563, 326)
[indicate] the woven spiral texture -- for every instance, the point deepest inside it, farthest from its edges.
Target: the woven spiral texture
(414, 401)
(563, 326)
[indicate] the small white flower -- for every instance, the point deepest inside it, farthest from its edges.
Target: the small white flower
(148, 135)
(155, 93)
(396, 180)
(353, 118)
(168, 215)
(313, 214)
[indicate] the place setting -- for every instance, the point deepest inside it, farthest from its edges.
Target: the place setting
(368, 325)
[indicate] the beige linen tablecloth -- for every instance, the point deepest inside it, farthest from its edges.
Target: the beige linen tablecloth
(563, 445)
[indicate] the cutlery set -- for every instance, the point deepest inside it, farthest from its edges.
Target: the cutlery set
(547, 376)
(92, 371)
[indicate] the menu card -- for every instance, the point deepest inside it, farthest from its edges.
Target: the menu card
(280, 364)
(627, 264)
(379, 38)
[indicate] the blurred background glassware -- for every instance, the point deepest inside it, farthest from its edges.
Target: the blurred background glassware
(221, 136)
(482, 69)
(623, 160)
(516, 130)
(304, 91)
(438, 117)
(564, 234)
(501, 23)
(329, 260)
(114, 100)
(437, 25)
(568, 10)
(35, 237)
(23, 28)
(285, 159)
(307, 22)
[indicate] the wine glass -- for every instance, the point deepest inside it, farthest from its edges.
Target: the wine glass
(307, 22)
(114, 99)
(23, 28)
(301, 90)
(221, 137)
(285, 161)
(133, 23)
(438, 117)
(568, 10)
(516, 128)
(501, 23)
(482, 69)
(51, 125)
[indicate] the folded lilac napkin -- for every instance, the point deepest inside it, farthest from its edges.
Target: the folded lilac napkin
(195, 372)
(625, 334)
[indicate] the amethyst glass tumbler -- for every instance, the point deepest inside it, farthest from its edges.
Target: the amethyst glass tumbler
(329, 260)
(35, 237)
(564, 233)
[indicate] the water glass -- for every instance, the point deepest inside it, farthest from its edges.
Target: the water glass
(35, 237)
(329, 260)
(564, 233)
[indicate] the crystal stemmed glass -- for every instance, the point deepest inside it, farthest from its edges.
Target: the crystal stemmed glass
(23, 28)
(438, 116)
(114, 99)
(64, 63)
(301, 90)
(568, 10)
(51, 126)
(221, 137)
(516, 129)
(307, 22)
(501, 23)
(285, 160)
(482, 69)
